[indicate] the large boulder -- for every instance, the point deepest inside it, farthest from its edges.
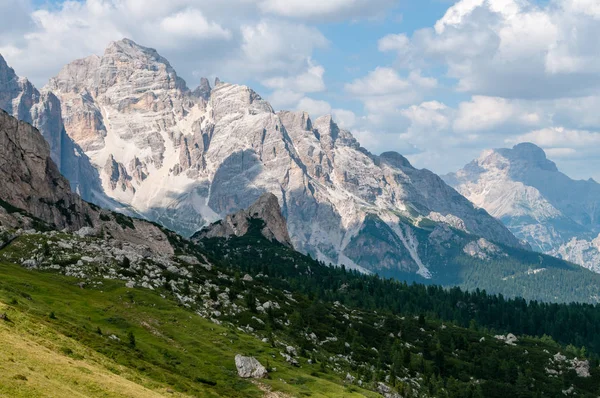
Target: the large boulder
(249, 367)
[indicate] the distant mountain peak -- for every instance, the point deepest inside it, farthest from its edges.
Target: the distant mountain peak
(530, 155)
(538, 203)
(128, 46)
(203, 90)
(395, 159)
(190, 158)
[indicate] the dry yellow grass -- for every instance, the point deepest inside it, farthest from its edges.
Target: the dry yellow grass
(29, 368)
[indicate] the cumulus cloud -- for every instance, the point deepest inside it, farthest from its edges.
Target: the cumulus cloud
(507, 70)
(230, 38)
(560, 137)
(191, 23)
(512, 48)
(531, 71)
(276, 46)
(383, 90)
(345, 118)
(326, 10)
(315, 108)
(486, 113)
(309, 81)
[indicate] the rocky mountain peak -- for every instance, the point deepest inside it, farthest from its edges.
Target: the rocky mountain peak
(17, 95)
(128, 49)
(266, 210)
(394, 159)
(528, 155)
(537, 202)
(7, 73)
(43, 110)
(185, 162)
(203, 90)
(296, 119)
(328, 129)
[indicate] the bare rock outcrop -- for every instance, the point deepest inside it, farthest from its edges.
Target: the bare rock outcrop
(265, 210)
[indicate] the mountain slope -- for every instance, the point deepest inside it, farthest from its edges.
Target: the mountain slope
(174, 327)
(266, 209)
(538, 203)
(188, 158)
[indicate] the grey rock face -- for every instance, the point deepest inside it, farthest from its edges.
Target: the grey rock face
(249, 367)
(266, 210)
(117, 175)
(31, 180)
(522, 187)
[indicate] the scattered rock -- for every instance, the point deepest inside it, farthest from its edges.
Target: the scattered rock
(249, 367)
(509, 339)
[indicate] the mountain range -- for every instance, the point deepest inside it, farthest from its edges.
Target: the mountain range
(185, 158)
(94, 302)
(553, 213)
(130, 136)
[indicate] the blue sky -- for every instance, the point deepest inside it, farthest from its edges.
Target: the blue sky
(437, 80)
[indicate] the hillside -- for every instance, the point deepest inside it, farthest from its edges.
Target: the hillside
(64, 340)
(189, 317)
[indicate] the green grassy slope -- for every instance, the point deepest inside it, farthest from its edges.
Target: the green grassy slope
(59, 340)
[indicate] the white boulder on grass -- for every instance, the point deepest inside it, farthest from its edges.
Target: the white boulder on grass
(249, 367)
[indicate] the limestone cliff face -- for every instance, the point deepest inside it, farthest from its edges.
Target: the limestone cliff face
(31, 180)
(266, 209)
(22, 100)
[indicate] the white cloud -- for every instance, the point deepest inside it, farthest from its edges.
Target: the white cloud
(399, 42)
(192, 23)
(431, 115)
(326, 9)
(346, 119)
(560, 137)
(315, 108)
(486, 113)
(284, 99)
(288, 91)
(309, 81)
(229, 38)
(554, 153)
(383, 90)
(512, 48)
(276, 46)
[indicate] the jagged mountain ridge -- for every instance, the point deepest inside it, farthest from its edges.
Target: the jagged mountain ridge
(522, 187)
(187, 158)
